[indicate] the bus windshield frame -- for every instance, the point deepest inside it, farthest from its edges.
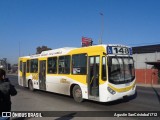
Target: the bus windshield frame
(120, 69)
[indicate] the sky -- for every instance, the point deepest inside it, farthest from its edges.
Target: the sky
(27, 24)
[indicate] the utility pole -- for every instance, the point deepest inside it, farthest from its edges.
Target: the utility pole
(102, 28)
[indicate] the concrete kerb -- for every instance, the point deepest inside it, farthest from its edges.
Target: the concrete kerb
(148, 85)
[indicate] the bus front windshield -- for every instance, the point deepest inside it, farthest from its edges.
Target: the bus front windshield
(121, 70)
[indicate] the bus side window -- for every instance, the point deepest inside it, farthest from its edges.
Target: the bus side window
(34, 65)
(79, 64)
(64, 65)
(28, 66)
(52, 65)
(20, 66)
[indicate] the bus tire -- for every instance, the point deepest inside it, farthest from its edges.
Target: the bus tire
(77, 94)
(30, 85)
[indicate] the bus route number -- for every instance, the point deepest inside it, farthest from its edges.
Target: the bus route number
(120, 50)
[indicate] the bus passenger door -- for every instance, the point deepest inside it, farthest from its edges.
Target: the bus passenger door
(24, 74)
(93, 77)
(42, 75)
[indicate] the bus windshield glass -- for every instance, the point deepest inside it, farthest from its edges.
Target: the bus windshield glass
(121, 70)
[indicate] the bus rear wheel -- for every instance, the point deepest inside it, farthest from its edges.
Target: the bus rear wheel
(77, 94)
(30, 85)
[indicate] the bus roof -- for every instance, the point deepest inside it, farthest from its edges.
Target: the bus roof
(65, 50)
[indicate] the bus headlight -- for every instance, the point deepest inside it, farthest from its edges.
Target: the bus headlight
(111, 90)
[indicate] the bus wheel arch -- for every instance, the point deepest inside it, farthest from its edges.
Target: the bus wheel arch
(71, 89)
(77, 93)
(30, 85)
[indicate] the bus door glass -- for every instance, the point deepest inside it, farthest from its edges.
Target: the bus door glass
(93, 76)
(24, 74)
(42, 75)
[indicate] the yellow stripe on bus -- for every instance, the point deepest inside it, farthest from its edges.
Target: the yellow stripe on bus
(125, 89)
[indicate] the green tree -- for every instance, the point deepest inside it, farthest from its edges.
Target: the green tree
(43, 48)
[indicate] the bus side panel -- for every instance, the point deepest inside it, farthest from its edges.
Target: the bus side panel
(20, 78)
(31, 76)
(62, 85)
(35, 80)
(53, 85)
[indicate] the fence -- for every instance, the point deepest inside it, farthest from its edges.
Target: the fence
(147, 76)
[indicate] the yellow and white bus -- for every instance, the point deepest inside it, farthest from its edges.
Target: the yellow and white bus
(101, 73)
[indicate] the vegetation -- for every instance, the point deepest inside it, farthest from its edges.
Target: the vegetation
(40, 49)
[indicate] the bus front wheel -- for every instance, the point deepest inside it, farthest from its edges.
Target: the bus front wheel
(77, 94)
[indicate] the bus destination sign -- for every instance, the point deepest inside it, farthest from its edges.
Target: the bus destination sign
(117, 50)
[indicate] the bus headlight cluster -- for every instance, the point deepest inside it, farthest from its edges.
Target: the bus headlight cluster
(111, 90)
